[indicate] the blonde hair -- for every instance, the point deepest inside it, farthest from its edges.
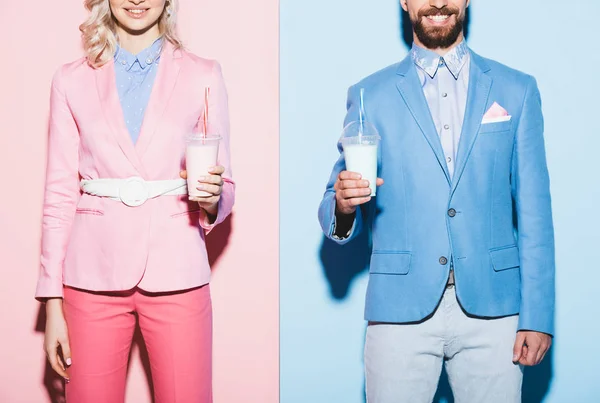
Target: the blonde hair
(99, 33)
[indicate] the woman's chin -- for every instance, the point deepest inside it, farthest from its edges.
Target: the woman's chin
(134, 25)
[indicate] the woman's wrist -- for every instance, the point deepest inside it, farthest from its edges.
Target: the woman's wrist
(54, 305)
(212, 209)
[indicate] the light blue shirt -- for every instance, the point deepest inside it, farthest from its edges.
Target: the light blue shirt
(135, 79)
(445, 83)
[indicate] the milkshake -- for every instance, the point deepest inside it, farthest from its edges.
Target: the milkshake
(362, 158)
(360, 142)
(200, 155)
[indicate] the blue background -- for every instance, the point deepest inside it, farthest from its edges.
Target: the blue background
(326, 46)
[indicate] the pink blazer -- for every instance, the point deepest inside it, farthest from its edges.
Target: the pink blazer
(100, 244)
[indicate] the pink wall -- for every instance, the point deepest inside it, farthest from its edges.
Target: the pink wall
(243, 36)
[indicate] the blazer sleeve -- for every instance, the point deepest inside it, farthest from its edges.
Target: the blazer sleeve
(219, 122)
(327, 217)
(531, 194)
(61, 191)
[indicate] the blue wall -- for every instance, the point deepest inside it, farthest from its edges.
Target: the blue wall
(327, 46)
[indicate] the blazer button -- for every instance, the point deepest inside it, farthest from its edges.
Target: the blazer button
(443, 260)
(452, 212)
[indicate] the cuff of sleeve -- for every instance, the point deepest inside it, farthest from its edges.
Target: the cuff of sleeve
(345, 236)
(356, 225)
(49, 287)
(542, 323)
(205, 219)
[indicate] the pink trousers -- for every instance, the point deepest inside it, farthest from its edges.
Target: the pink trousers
(177, 331)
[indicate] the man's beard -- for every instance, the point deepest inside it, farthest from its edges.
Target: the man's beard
(438, 37)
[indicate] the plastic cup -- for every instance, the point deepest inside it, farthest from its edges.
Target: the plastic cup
(360, 143)
(200, 155)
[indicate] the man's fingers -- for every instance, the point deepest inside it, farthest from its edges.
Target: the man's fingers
(523, 359)
(344, 175)
(353, 184)
(351, 193)
(379, 181)
(350, 204)
(351, 190)
(518, 348)
(530, 351)
(183, 174)
(532, 354)
(359, 200)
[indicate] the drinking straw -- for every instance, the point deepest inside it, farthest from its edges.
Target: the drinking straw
(361, 113)
(206, 96)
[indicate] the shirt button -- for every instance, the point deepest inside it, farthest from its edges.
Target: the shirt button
(444, 95)
(149, 60)
(446, 127)
(452, 212)
(443, 260)
(123, 62)
(449, 159)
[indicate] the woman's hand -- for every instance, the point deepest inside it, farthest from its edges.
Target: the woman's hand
(57, 335)
(213, 184)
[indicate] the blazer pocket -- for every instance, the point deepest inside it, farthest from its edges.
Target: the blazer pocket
(390, 262)
(495, 127)
(505, 258)
(90, 211)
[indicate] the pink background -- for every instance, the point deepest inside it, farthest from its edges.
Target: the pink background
(243, 36)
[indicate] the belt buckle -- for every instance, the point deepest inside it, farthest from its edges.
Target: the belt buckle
(134, 191)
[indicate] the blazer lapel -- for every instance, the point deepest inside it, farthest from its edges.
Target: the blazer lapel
(412, 93)
(480, 85)
(164, 84)
(106, 85)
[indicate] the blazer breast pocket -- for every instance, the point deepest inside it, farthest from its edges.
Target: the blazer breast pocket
(390, 262)
(496, 127)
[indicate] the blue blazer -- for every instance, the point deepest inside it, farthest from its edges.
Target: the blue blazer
(492, 221)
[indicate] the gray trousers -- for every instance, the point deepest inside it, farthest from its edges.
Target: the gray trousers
(403, 362)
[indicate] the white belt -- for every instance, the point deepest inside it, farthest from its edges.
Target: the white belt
(133, 191)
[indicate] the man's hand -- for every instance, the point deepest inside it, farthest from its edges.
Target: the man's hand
(351, 191)
(531, 347)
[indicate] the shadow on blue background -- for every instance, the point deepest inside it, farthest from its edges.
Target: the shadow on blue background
(343, 264)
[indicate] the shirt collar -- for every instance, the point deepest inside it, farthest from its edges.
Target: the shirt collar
(430, 61)
(145, 58)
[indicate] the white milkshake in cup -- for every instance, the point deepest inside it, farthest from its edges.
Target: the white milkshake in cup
(360, 141)
(200, 155)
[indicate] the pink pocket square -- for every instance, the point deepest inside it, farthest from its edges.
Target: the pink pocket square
(495, 114)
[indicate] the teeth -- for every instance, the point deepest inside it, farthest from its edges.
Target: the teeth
(438, 18)
(136, 11)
